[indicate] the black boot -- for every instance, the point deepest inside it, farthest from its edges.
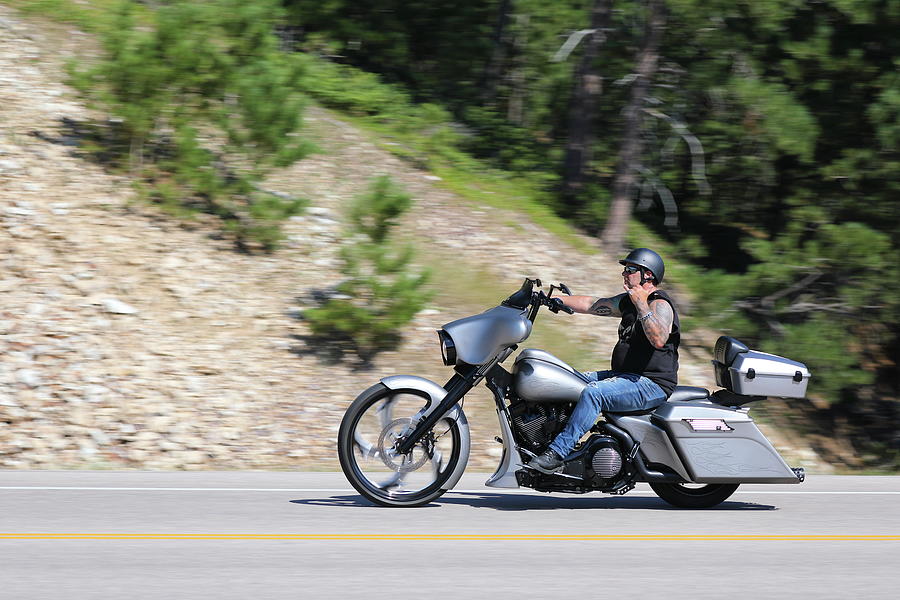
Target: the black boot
(547, 462)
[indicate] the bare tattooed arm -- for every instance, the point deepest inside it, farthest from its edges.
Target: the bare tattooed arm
(658, 325)
(606, 307)
(589, 305)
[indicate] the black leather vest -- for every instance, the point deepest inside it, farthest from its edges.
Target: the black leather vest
(635, 354)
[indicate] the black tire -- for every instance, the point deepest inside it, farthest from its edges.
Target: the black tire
(355, 458)
(682, 496)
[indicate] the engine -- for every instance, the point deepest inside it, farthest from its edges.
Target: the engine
(597, 464)
(537, 424)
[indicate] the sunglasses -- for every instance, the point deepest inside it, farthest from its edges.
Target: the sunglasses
(630, 269)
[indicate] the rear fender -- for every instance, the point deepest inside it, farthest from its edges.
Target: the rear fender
(435, 393)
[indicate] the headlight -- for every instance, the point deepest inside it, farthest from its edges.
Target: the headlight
(448, 349)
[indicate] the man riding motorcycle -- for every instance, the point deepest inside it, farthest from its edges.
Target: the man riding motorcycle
(644, 365)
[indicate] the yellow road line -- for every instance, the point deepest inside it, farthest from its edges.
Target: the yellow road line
(448, 537)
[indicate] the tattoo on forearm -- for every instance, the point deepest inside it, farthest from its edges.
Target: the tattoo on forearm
(658, 325)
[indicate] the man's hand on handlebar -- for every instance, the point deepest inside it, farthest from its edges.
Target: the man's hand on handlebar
(556, 304)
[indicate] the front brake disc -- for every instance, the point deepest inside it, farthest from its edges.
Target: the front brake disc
(401, 463)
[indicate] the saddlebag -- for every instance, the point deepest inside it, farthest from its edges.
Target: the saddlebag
(720, 445)
(750, 373)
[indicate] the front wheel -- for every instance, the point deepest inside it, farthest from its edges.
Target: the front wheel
(687, 495)
(368, 432)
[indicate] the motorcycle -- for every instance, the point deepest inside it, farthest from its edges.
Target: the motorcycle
(405, 440)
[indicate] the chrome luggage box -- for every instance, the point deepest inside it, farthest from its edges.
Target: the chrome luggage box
(751, 373)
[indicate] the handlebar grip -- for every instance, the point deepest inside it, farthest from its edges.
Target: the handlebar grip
(556, 304)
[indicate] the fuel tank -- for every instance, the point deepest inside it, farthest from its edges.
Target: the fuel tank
(538, 376)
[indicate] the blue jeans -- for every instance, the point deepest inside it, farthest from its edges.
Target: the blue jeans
(609, 391)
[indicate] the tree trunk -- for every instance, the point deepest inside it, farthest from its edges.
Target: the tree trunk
(629, 162)
(493, 72)
(515, 110)
(582, 108)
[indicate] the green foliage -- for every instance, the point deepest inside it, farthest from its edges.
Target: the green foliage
(424, 132)
(377, 212)
(352, 90)
(885, 111)
(819, 293)
(425, 135)
(208, 104)
(94, 16)
(787, 122)
(509, 146)
(381, 293)
(428, 46)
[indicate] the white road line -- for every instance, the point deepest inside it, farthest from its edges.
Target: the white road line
(812, 492)
(170, 489)
(348, 490)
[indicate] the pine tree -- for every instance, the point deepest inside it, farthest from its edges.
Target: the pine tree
(208, 104)
(381, 293)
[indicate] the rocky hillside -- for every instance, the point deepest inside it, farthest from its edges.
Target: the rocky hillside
(129, 339)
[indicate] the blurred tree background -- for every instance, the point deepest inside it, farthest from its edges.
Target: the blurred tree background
(754, 141)
(758, 139)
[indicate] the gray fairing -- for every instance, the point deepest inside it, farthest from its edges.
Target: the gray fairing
(435, 394)
(481, 337)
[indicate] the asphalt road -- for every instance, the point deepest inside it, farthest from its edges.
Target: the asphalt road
(309, 535)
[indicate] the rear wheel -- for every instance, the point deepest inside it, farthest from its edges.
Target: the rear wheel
(369, 430)
(689, 495)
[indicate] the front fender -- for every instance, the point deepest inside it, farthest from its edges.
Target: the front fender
(435, 394)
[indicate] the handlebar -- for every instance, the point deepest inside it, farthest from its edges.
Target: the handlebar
(561, 307)
(554, 304)
(527, 298)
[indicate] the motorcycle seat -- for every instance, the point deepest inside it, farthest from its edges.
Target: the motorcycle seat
(632, 413)
(684, 393)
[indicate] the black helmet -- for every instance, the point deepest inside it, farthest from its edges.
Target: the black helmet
(648, 259)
